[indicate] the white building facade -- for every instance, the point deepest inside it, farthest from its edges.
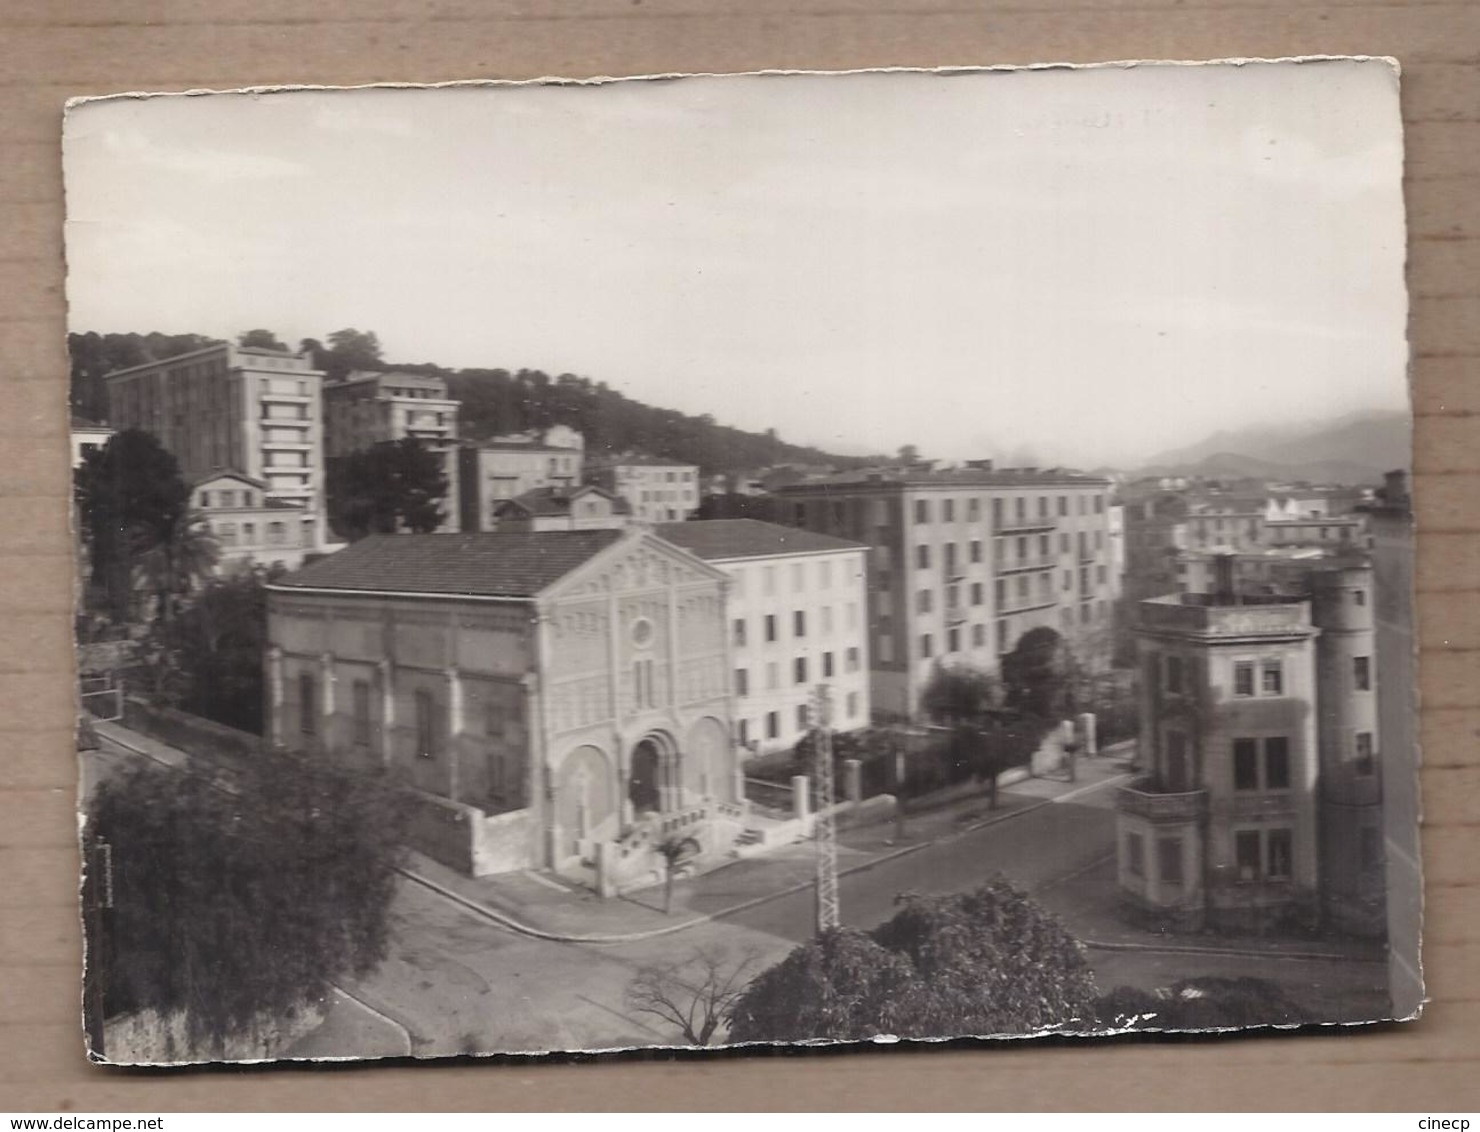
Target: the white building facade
(797, 618)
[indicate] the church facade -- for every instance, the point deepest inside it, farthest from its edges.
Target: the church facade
(555, 699)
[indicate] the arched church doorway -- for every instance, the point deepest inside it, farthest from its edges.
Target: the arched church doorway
(642, 784)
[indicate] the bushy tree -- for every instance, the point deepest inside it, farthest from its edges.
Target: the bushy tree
(177, 564)
(236, 909)
(208, 660)
(259, 339)
(391, 486)
(1202, 1003)
(987, 962)
(130, 500)
(958, 694)
(1037, 675)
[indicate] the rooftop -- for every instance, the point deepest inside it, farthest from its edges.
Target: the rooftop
(958, 477)
(512, 564)
(717, 540)
(1240, 615)
(556, 500)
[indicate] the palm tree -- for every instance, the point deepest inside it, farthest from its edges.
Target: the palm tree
(184, 553)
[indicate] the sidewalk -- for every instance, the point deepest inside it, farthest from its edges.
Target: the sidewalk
(544, 906)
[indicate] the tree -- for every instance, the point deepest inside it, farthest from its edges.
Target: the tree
(382, 489)
(1037, 676)
(130, 500)
(351, 350)
(959, 694)
(694, 996)
(259, 340)
(980, 963)
(1202, 1003)
(208, 660)
(184, 556)
(909, 454)
(233, 910)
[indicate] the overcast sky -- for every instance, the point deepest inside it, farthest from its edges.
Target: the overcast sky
(1085, 266)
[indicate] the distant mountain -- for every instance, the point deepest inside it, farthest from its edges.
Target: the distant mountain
(1356, 449)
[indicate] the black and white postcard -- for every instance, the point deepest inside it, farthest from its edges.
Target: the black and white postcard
(708, 560)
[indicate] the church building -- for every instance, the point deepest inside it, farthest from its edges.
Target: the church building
(550, 699)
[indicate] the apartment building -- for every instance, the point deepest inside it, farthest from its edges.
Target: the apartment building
(249, 528)
(659, 491)
(963, 562)
(365, 409)
(1261, 801)
(227, 408)
(492, 473)
(796, 610)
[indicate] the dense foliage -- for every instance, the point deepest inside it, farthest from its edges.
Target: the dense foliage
(208, 660)
(131, 501)
(1203, 1003)
(986, 962)
(389, 487)
(236, 909)
(494, 401)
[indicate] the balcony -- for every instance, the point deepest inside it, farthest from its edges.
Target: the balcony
(1024, 565)
(1144, 799)
(1023, 526)
(1029, 608)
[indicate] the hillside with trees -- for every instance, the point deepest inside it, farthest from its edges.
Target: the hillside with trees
(494, 401)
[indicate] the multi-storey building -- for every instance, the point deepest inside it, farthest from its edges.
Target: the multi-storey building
(1390, 520)
(365, 409)
(368, 408)
(659, 491)
(556, 700)
(1261, 798)
(248, 528)
(797, 603)
(492, 473)
(962, 563)
(228, 408)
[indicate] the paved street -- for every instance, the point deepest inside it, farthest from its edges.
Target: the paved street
(458, 982)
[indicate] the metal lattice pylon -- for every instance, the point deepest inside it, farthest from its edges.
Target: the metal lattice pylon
(824, 828)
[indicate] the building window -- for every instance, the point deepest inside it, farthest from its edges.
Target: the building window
(742, 682)
(852, 705)
(426, 725)
(361, 699)
(773, 724)
(996, 513)
(950, 558)
(1366, 762)
(1001, 593)
(799, 623)
(1020, 508)
(948, 510)
(1359, 596)
(1243, 679)
(927, 648)
(1175, 677)
(850, 660)
(827, 620)
(740, 632)
(827, 664)
(922, 511)
(1246, 764)
(1272, 678)
(978, 636)
(1277, 763)
(803, 717)
(773, 676)
(1362, 673)
(1246, 854)
(953, 640)
(1278, 855)
(976, 550)
(308, 705)
(1169, 860)
(1135, 854)
(770, 627)
(922, 601)
(1063, 505)
(977, 591)
(799, 670)
(922, 557)
(973, 509)
(745, 732)
(642, 684)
